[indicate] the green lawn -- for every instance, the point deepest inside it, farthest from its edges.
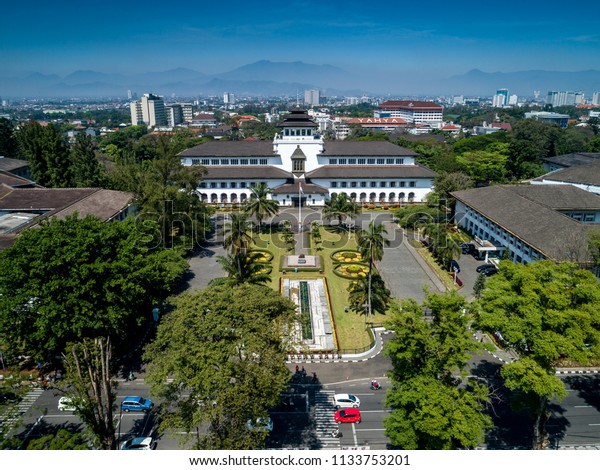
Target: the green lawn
(349, 326)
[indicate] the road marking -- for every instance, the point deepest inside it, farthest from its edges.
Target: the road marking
(375, 411)
(594, 424)
(354, 433)
(364, 394)
(365, 430)
(583, 406)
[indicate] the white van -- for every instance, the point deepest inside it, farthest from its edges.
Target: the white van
(345, 400)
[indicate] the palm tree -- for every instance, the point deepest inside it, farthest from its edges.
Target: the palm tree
(237, 233)
(358, 295)
(242, 269)
(259, 205)
(340, 207)
(370, 245)
(442, 245)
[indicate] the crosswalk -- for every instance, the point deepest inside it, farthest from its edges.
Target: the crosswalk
(14, 412)
(324, 422)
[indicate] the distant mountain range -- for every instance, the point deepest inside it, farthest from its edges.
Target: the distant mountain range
(266, 78)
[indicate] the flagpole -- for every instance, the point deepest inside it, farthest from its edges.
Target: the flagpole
(299, 206)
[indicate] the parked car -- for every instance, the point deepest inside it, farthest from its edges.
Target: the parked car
(490, 271)
(467, 248)
(345, 400)
(136, 403)
(454, 266)
(347, 415)
(139, 443)
(9, 397)
(66, 404)
(482, 267)
(260, 424)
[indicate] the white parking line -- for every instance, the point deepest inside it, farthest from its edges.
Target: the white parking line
(354, 433)
(583, 406)
(365, 430)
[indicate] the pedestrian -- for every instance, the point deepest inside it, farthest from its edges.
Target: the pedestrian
(297, 368)
(303, 372)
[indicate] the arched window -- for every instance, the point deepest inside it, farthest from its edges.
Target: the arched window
(401, 196)
(234, 198)
(214, 198)
(363, 197)
(372, 197)
(243, 197)
(224, 197)
(411, 197)
(353, 197)
(392, 197)
(381, 197)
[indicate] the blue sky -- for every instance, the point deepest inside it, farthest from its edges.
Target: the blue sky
(381, 37)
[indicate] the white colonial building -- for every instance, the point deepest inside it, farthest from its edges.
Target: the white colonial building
(302, 168)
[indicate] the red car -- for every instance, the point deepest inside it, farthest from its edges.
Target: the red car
(347, 415)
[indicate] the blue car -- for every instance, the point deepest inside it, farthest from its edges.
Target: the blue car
(136, 403)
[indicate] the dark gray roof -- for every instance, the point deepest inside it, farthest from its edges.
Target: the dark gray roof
(14, 181)
(583, 174)
(231, 148)
(371, 171)
(245, 172)
(520, 210)
(375, 148)
(558, 196)
(298, 154)
(294, 188)
(12, 164)
(573, 159)
(298, 118)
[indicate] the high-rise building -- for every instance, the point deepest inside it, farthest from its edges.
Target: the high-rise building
(174, 114)
(228, 100)
(596, 97)
(500, 98)
(188, 112)
(513, 100)
(150, 110)
(564, 98)
(312, 97)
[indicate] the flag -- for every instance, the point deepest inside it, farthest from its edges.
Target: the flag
(300, 185)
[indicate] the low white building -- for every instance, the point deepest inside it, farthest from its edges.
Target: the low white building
(302, 168)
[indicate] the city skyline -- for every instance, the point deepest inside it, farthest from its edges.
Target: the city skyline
(391, 43)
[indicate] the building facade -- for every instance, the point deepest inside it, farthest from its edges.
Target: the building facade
(149, 110)
(531, 222)
(413, 112)
(302, 168)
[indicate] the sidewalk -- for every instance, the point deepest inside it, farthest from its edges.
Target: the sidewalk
(342, 357)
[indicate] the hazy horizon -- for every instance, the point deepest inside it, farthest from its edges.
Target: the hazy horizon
(384, 44)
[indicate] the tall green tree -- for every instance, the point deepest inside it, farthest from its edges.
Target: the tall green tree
(9, 146)
(165, 192)
(358, 295)
(259, 204)
(81, 278)
(243, 268)
(237, 233)
(441, 244)
(429, 411)
(92, 389)
(87, 170)
(370, 244)
(223, 350)
(530, 142)
(340, 207)
(545, 312)
(47, 152)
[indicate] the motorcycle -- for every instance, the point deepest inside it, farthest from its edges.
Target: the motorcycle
(375, 385)
(336, 433)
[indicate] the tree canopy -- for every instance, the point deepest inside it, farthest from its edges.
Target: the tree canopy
(223, 350)
(76, 278)
(429, 411)
(547, 313)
